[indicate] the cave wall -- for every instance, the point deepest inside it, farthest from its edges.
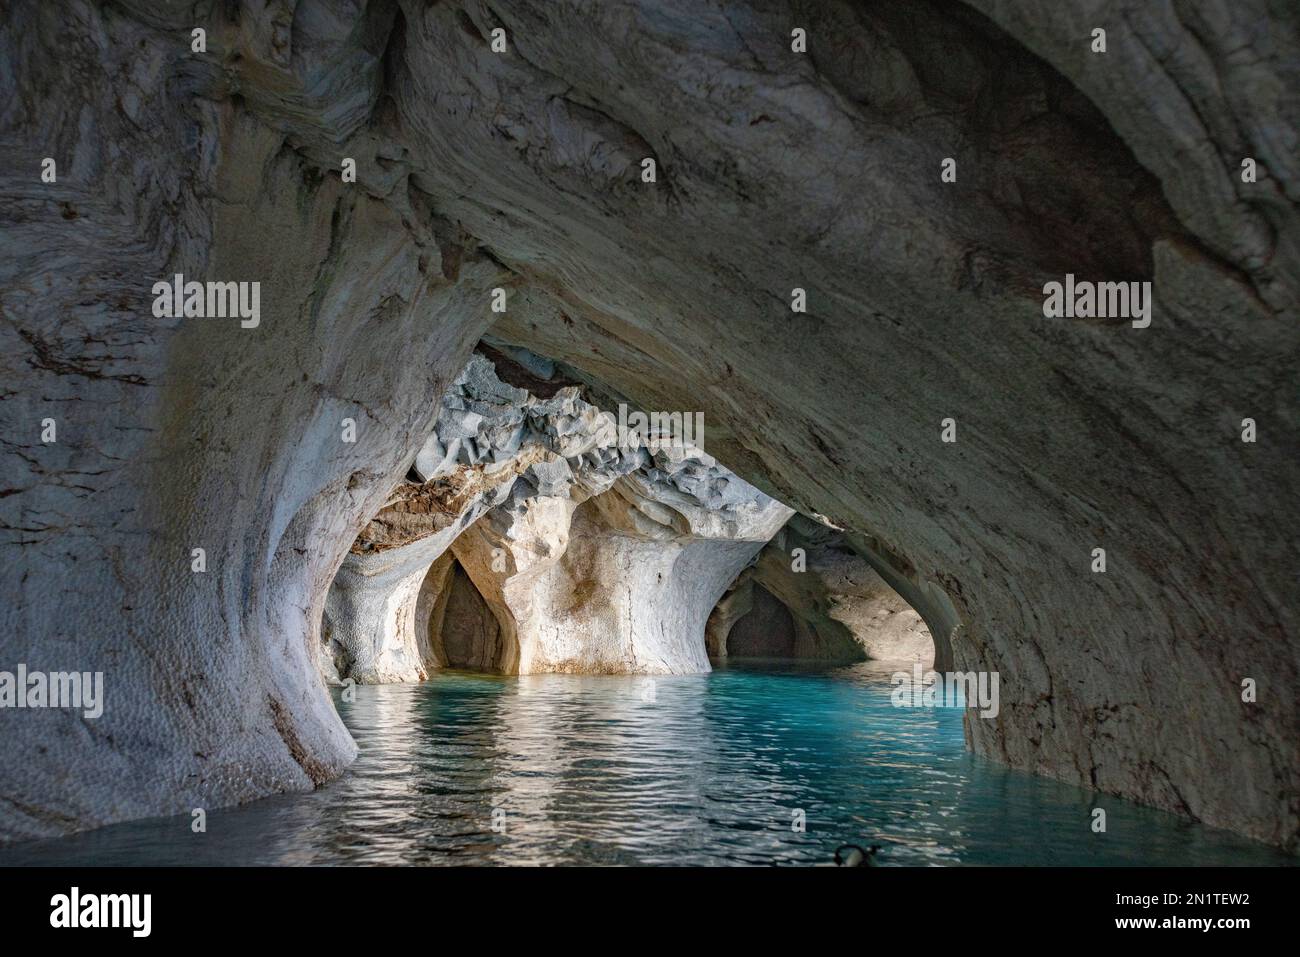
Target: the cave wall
(498, 481)
(619, 583)
(176, 434)
(775, 170)
(841, 608)
(926, 303)
(467, 634)
(767, 630)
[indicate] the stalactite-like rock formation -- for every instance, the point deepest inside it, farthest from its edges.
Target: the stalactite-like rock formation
(776, 171)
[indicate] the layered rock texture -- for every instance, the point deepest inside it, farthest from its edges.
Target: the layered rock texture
(774, 170)
(596, 553)
(810, 595)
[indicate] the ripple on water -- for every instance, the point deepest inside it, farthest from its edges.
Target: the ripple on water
(711, 771)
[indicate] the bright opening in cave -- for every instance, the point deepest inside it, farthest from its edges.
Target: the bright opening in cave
(534, 535)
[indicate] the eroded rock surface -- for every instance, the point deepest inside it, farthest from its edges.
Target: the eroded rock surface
(486, 437)
(621, 587)
(776, 170)
(810, 595)
(621, 582)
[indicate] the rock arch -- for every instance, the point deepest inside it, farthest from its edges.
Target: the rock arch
(463, 631)
(478, 172)
(593, 551)
(766, 630)
(821, 600)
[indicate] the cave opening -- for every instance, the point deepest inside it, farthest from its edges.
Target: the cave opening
(463, 631)
(767, 630)
(810, 596)
(529, 537)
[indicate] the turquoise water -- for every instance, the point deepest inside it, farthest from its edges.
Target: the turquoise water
(707, 769)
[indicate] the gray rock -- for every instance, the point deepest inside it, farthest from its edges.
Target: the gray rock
(648, 541)
(776, 170)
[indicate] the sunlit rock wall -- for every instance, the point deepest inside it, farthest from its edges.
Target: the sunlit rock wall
(626, 590)
(622, 582)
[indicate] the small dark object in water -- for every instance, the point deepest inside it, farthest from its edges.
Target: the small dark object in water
(851, 855)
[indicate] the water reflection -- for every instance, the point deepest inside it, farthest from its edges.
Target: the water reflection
(708, 769)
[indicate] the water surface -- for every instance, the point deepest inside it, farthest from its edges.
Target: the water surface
(708, 769)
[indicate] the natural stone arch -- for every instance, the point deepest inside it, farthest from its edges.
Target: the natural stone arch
(840, 608)
(618, 583)
(662, 529)
(463, 631)
(478, 172)
(767, 630)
